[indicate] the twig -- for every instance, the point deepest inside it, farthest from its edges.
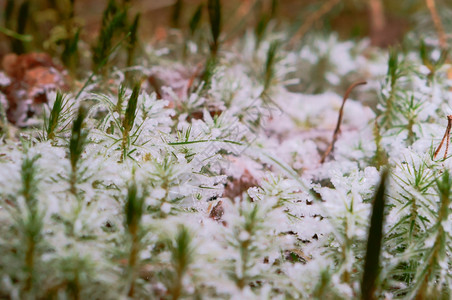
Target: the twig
(438, 24)
(377, 21)
(21, 37)
(193, 77)
(242, 13)
(339, 119)
(311, 19)
(446, 135)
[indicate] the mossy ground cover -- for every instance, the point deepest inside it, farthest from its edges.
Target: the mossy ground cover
(225, 149)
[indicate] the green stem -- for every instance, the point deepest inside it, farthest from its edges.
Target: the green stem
(440, 241)
(73, 181)
(133, 256)
(125, 139)
(29, 262)
(413, 216)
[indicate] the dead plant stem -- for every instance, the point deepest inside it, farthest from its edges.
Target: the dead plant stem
(312, 18)
(339, 119)
(438, 24)
(446, 135)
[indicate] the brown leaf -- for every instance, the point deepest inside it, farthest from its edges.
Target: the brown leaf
(217, 211)
(31, 75)
(238, 186)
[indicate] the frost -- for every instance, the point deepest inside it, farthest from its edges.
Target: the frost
(166, 208)
(218, 188)
(4, 80)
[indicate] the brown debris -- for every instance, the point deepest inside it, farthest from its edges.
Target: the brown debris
(238, 186)
(199, 115)
(296, 254)
(31, 76)
(217, 211)
(15, 65)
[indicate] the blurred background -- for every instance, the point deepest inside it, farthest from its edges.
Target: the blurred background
(98, 36)
(44, 22)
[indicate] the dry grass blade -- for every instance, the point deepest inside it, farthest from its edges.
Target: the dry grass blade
(324, 9)
(214, 9)
(438, 24)
(377, 21)
(446, 135)
(372, 262)
(339, 119)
